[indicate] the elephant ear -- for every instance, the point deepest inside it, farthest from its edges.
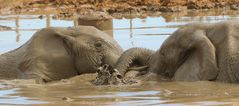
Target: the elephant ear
(200, 63)
(31, 62)
(65, 33)
(69, 38)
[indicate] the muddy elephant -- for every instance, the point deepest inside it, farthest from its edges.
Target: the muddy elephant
(196, 51)
(58, 53)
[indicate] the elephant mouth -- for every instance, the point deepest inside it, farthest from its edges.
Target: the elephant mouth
(104, 59)
(99, 63)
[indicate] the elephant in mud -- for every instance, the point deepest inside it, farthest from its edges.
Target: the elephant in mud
(196, 51)
(58, 53)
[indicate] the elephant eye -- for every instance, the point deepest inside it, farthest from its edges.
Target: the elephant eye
(98, 44)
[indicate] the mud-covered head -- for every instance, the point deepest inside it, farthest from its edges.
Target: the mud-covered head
(89, 47)
(107, 75)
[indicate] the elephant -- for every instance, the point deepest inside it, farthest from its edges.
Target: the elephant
(194, 52)
(56, 53)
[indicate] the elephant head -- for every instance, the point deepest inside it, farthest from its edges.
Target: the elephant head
(188, 54)
(89, 47)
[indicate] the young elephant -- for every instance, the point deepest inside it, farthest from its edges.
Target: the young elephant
(197, 51)
(58, 53)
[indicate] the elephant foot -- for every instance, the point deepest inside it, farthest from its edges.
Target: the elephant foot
(107, 75)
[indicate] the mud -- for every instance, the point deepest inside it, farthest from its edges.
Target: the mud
(107, 75)
(115, 8)
(79, 91)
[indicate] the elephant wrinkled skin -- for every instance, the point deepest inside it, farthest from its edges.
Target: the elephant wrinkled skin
(196, 51)
(57, 53)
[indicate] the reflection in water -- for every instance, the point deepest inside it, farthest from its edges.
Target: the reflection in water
(17, 29)
(105, 25)
(203, 15)
(6, 97)
(48, 20)
(131, 30)
(149, 32)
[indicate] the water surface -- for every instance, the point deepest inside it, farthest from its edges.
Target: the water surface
(149, 32)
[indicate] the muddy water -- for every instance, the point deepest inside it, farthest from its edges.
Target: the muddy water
(149, 32)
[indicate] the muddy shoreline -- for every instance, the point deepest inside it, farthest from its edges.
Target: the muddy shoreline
(112, 8)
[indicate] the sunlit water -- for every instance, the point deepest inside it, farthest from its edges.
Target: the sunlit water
(149, 33)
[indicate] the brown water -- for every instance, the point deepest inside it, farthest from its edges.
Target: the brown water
(149, 32)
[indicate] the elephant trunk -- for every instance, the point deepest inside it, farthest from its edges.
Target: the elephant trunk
(111, 59)
(131, 57)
